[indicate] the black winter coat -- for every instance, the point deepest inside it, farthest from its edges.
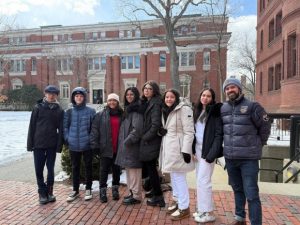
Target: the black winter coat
(45, 127)
(129, 138)
(150, 142)
(100, 136)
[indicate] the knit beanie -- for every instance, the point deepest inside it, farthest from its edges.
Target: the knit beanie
(234, 81)
(113, 96)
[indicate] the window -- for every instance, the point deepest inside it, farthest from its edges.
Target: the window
(162, 60)
(162, 88)
(277, 76)
(17, 40)
(193, 29)
(16, 84)
(33, 64)
(270, 78)
(271, 30)
(130, 62)
(185, 83)
(137, 33)
(17, 65)
(65, 90)
(97, 63)
(129, 34)
(187, 59)
(103, 34)
(206, 60)
(291, 56)
(95, 35)
(1, 66)
(65, 64)
(278, 24)
(261, 40)
(121, 34)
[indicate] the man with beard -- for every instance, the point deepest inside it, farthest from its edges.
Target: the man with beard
(246, 129)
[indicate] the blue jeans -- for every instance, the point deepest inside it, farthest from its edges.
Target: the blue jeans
(243, 178)
(41, 157)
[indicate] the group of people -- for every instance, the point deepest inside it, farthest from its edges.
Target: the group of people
(150, 133)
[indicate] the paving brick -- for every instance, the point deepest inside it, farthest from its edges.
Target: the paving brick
(19, 205)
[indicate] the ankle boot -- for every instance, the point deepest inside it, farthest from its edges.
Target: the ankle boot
(43, 199)
(115, 192)
(103, 197)
(51, 197)
(156, 201)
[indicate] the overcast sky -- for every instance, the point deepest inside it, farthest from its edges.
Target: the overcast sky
(36, 13)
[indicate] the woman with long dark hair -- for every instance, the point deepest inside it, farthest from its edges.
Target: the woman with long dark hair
(208, 147)
(129, 145)
(176, 150)
(150, 142)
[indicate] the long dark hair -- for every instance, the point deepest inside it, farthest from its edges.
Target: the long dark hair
(175, 92)
(155, 87)
(136, 93)
(199, 107)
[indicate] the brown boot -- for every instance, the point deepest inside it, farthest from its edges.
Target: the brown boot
(180, 214)
(172, 208)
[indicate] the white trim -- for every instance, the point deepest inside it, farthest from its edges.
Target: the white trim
(162, 69)
(127, 81)
(130, 71)
(187, 68)
(23, 73)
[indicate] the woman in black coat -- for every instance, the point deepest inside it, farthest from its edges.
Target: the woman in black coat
(207, 147)
(129, 145)
(150, 142)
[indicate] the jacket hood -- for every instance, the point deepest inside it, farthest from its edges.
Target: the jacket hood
(78, 90)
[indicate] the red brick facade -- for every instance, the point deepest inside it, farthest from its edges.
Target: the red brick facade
(108, 57)
(278, 48)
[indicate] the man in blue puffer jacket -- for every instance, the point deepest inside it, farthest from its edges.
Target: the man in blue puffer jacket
(77, 128)
(246, 129)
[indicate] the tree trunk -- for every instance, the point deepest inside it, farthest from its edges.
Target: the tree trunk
(174, 65)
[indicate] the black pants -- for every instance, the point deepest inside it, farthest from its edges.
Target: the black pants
(105, 165)
(76, 162)
(151, 169)
(44, 157)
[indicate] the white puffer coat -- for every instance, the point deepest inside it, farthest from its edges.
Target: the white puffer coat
(179, 138)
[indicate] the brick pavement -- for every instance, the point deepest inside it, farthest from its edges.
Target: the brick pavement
(19, 205)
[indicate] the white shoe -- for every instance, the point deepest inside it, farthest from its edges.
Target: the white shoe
(88, 195)
(205, 217)
(195, 214)
(72, 196)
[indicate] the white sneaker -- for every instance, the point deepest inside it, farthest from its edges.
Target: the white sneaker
(205, 217)
(195, 214)
(88, 195)
(72, 196)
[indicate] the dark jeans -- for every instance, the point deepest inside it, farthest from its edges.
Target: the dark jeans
(243, 178)
(152, 172)
(105, 165)
(76, 163)
(44, 157)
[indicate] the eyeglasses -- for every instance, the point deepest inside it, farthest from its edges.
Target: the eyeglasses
(148, 88)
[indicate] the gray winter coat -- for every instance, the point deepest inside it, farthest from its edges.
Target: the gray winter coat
(246, 129)
(129, 140)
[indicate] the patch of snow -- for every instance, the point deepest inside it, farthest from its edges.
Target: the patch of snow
(61, 176)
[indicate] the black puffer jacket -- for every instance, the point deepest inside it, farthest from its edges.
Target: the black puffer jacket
(150, 142)
(45, 127)
(100, 136)
(213, 134)
(246, 129)
(129, 138)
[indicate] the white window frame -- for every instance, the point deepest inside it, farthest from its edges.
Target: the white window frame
(129, 82)
(17, 67)
(92, 63)
(206, 60)
(33, 66)
(64, 66)
(187, 64)
(125, 60)
(16, 84)
(121, 34)
(64, 90)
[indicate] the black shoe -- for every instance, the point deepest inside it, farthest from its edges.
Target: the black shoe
(115, 192)
(129, 196)
(131, 201)
(51, 197)
(103, 197)
(156, 201)
(43, 199)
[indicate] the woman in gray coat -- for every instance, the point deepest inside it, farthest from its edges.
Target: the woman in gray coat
(128, 147)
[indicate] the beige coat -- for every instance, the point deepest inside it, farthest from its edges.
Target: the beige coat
(179, 138)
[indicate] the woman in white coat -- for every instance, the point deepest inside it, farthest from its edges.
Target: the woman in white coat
(176, 150)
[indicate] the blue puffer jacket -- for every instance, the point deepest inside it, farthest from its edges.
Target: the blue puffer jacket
(77, 128)
(246, 129)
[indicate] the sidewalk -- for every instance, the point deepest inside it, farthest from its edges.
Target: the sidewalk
(19, 205)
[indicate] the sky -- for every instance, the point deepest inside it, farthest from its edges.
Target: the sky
(36, 13)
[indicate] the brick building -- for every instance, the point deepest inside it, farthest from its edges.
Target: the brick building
(109, 57)
(278, 45)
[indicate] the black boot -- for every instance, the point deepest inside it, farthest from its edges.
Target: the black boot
(51, 197)
(43, 199)
(156, 201)
(103, 197)
(115, 192)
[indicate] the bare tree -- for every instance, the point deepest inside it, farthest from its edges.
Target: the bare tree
(169, 12)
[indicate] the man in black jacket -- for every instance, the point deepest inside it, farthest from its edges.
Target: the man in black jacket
(45, 139)
(246, 129)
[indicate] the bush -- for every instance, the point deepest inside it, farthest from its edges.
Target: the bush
(67, 166)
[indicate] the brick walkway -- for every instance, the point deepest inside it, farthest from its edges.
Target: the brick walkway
(19, 205)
